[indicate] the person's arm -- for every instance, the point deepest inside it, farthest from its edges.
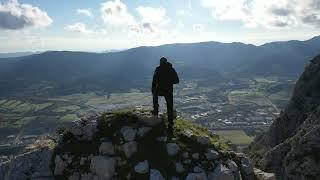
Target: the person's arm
(154, 81)
(175, 77)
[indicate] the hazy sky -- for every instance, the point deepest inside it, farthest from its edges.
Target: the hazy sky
(97, 25)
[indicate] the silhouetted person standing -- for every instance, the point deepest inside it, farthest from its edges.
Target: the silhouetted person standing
(162, 85)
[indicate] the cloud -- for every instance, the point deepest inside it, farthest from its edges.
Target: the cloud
(14, 16)
(77, 27)
(115, 13)
(86, 12)
(152, 15)
(198, 28)
(270, 14)
(151, 22)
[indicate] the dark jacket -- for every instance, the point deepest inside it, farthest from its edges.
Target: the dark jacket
(163, 79)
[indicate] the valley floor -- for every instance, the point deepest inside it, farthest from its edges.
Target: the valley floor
(237, 110)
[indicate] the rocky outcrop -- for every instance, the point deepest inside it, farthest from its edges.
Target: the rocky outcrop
(135, 145)
(34, 164)
(290, 147)
(129, 145)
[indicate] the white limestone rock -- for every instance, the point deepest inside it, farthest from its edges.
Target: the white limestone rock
(172, 149)
(198, 169)
(188, 133)
(130, 148)
(156, 175)
(179, 167)
(195, 156)
(103, 167)
(196, 176)
(260, 175)
(221, 173)
(128, 133)
(142, 167)
(212, 154)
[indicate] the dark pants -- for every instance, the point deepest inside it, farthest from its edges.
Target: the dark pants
(169, 102)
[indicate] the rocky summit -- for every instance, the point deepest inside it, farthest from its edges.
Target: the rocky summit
(130, 145)
(291, 146)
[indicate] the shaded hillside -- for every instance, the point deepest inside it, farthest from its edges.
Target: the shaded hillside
(291, 145)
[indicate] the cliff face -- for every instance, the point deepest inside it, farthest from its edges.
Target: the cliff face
(131, 145)
(291, 145)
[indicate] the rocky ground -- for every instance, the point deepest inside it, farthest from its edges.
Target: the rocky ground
(130, 145)
(291, 146)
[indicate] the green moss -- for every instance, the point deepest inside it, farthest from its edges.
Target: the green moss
(181, 126)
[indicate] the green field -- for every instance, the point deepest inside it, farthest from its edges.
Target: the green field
(247, 97)
(237, 137)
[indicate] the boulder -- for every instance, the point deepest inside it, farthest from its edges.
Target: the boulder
(60, 165)
(234, 169)
(188, 133)
(103, 167)
(142, 167)
(196, 176)
(246, 168)
(155, 175)
(179, 167)
(198, 169)
(106, 148)
(172, 149)
(221, 173)
(128, 133)
(195, 156)
(260, 175)
(212, 154)
(130, 148)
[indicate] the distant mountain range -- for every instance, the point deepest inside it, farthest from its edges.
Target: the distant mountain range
(64, 72)
(16, 54)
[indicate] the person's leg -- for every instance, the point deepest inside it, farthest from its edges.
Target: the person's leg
(169, 101)
(155, 104)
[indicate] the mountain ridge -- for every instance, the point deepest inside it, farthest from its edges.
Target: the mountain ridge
(85, 71)
(290, 147)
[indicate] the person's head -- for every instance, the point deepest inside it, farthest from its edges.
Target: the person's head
(163, 60)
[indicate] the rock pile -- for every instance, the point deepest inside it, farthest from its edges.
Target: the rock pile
(135, 145)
